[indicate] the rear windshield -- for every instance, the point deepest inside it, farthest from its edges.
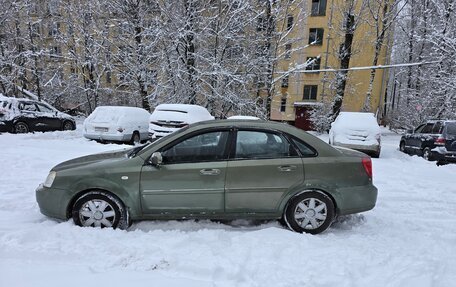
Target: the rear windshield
(106, 115)
(451, 128)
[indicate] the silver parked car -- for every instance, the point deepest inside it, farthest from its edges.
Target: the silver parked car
(358, 131)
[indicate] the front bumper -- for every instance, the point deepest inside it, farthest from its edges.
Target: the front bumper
(158, 131)
(53, 202)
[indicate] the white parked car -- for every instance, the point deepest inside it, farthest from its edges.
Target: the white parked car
(359, 131)
(117, 123)
(168, 118)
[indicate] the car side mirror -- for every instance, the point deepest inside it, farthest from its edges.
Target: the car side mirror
(156, 159)
(410, 131)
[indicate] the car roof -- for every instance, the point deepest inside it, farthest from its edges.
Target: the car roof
(322, 148)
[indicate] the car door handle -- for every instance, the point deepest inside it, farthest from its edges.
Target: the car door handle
(212, 171)
(287, 168)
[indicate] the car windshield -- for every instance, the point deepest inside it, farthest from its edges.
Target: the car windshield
(134, 151)
(451, 128)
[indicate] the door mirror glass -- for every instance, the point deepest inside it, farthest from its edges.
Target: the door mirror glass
(410, 131)
(156, 159)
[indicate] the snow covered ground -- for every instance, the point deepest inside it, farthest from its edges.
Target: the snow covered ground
(409, 239)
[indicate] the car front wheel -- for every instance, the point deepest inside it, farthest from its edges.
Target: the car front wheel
(310, 212)
(100, 209)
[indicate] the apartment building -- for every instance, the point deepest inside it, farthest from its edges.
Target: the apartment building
(308, 88)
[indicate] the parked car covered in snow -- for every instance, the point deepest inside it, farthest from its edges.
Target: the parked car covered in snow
(239, 117)
(20, 115)
(117, 124)
(223, 169)
(434, 140)
(168, 118)
(358, 131)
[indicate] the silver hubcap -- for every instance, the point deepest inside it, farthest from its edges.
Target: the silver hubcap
(310, 213)
(21, 129)
(97, 213)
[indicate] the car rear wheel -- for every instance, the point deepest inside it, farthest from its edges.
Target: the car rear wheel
(100, 209)
(427, 154)
(21, 128)
(68, 126)
(135, 138)
(310, 212)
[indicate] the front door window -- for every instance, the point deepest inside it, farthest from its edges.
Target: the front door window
(205, 147)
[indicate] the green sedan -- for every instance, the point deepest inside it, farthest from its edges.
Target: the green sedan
(225, 169)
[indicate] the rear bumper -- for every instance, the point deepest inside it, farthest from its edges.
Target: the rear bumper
(108, 137)
(364, 148)
(356, 199)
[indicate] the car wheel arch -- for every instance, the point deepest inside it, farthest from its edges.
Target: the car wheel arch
(124, 199)
(125, 209)
(286, 201)
(330, 214)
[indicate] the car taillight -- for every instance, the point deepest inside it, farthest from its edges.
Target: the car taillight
(367, 164)
(439, 141)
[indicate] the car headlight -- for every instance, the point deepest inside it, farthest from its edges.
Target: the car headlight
(50, 179)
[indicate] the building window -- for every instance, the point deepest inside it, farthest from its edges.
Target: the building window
(316, 36)
(283, 105)
(318, 8)
(285, 82)
(287, 51)
(314, 64)
(108, 77)
(233, 52)
(261, 24)
(55, 51)
(310, 92)
(289, 22)
(54, 29)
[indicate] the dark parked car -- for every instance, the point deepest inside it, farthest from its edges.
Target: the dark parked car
(434, 140)
(24, 115)
(218, 169)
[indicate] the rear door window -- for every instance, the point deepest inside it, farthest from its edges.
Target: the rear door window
(44, 109)
(262, 145)
(28, 106)
(306, 150)
(437, 129)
